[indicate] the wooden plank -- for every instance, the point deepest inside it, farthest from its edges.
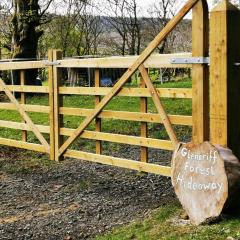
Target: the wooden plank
(144, 125)
(100, 136)
(23, 126)
(58, 102)
(121, 115)
(120, 162)
(200, 73)
(51, 106)
(24, 145)
(154, 61)
(218, 77)
(27, 89)
(140, 60)
(27, 107)
(128, 92)
(23, 101)
(128, 116)
(224, 75)
(24, 115)
(98, 120)
(21, 65)
(156, 99)
(123, 139)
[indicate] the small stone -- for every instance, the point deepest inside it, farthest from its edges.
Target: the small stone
(68, 238)
(184, 216)
(57, 187)
(230, 238)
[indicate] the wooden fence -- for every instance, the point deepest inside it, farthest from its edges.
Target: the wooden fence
(57, 148)
(56, 110)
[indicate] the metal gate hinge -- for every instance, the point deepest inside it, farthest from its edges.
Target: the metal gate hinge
(49, 63)
(191, 60)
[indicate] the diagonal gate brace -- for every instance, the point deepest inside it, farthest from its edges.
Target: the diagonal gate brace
(156, 99)
(24, 115)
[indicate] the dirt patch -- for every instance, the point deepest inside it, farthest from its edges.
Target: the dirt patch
(77, 199)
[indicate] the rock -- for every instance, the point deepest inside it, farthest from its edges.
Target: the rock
(206, 180)
(230, 238)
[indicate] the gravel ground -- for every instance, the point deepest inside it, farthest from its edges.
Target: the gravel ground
(78, 200)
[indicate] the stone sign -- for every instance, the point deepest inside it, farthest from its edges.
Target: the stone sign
(200, 180)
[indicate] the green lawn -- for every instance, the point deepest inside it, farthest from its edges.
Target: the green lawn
(131, 104)
(162, 224)
(159, 224)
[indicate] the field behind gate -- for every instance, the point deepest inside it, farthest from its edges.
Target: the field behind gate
(11, 119)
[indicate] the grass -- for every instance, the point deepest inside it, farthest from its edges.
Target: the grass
(23, 162)
(156, 226)
(162, 224)
(172, 106)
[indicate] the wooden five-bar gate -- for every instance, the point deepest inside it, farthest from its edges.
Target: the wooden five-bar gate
(58, 148)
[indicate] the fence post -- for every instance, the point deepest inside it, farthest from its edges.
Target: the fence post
(51, 105)
(58, 102)
(98, 121)
(200, 72)
(144, 125)
(23, 101)
(224, 76)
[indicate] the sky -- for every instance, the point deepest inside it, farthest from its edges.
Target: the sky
(145, 4)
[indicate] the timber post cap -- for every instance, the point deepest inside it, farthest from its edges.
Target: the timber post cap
(200, 180)
(224, 6)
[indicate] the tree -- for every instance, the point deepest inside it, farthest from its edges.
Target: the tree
(5, 27)
(124, 21)
(89, 29)
(75, 30)
(160, 13)
(134, 28)
(27, 17)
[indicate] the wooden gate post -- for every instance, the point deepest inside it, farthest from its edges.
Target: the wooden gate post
(58, 102)
(224, 76)
(200, 72)
(51, 105)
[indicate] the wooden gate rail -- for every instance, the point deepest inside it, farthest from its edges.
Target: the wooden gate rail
(154, 61)
(94, 135)
(128, 92)
(27, 107)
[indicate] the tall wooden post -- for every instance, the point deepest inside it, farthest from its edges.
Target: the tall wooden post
(23, 101)
(224, 76)
(58, 102)
(51, 105)
(144, 125)
(200, 72)
(98, 121)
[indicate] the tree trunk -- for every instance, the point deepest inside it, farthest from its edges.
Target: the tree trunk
(26, 19)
